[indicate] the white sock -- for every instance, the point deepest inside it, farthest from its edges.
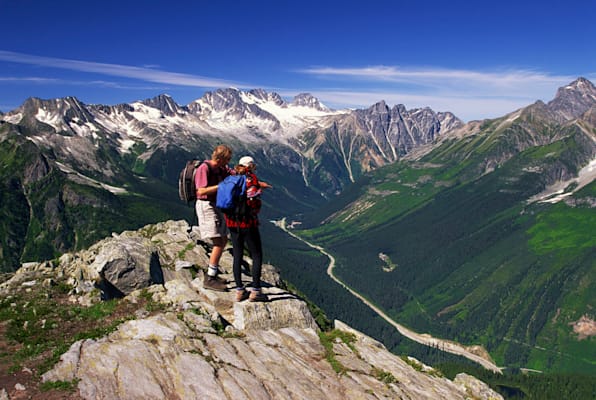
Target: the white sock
(213, 270)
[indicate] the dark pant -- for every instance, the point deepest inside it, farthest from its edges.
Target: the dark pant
(252, 238)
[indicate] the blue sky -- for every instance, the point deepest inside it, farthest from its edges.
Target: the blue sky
(476, 59)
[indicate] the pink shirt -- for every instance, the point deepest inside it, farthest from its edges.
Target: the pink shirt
(210, 175)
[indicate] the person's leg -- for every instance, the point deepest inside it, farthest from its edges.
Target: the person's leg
(237, 251)
(237, 236)
(253, 241)
(219, 244)
(219, 238)
(212, 226)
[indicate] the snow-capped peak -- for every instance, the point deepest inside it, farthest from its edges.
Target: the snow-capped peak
(308, 100)
(257, 110)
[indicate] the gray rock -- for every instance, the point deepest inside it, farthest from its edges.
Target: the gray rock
(202, 344)
(127, 264)
(273, 314)
(183, 264)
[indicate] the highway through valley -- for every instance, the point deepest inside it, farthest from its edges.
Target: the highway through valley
(425, 339)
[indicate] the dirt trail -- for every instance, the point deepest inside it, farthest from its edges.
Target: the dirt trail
(425, 339)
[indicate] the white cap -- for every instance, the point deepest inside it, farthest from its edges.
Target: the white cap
(246, 161)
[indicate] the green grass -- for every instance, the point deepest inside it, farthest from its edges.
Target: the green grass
(476, 263)
(59, 385)
(563, 228)
(327, 340)
(384, 376)
(43, 322)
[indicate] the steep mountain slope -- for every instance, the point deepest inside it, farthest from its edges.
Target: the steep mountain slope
(48, 207)
(103, 162)
(485, 237)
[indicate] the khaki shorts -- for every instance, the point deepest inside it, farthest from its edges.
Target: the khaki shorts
(212, 223)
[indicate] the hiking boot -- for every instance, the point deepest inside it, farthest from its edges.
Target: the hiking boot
(257, 295)
(219, 278)
(241, 295)
(212, 283)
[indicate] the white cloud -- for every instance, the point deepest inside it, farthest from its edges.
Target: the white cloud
(97, 83)
(466, 108)
(503, 80)
(31, 79)
(468, 94)
(126, 71)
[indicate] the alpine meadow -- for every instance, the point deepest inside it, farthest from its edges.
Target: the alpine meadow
(480, 233)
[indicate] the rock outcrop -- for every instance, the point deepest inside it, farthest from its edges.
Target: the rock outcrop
(203, 345)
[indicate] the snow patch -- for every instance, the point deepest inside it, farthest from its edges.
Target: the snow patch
(87, 129)
(294, 119)
(126, 144)
(556, 192)
(290, 120)
(89, 181)
(145, 113)
(13, 118)
(54, 120)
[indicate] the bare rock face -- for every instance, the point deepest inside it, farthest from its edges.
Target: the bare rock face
(574, 99)
(126, 264)
(202, 344)
(281, 311)
(181, 357)
(37, 170)
(474, 386)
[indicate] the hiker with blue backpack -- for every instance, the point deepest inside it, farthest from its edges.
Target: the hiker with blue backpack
(212, 224)
(243, 223)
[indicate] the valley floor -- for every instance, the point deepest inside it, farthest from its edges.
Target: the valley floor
(424, 339)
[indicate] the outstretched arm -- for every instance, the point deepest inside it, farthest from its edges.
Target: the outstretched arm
(207, 190)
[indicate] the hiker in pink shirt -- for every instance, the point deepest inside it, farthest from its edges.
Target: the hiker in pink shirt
(212, 224)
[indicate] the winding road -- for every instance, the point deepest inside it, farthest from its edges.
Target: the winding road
(425, 339)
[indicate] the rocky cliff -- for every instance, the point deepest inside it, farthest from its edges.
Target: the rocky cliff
(191, 343)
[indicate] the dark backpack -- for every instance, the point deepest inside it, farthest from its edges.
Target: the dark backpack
(231, 196)
(186, 181)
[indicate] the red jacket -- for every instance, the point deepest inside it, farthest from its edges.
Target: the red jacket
(253, 203)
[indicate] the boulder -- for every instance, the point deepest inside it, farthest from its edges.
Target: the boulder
(126, 264)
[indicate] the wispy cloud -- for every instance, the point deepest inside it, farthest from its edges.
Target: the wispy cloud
(124, 71)
(483, 81)
(467, 93)
(29, 79)
(71, 82)
(466, 108)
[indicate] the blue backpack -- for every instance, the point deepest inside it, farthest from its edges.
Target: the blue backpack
(231, 195)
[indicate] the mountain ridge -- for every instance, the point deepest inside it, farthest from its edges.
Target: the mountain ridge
(124, 147)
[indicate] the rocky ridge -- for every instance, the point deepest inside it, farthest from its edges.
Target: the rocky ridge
(202, 344)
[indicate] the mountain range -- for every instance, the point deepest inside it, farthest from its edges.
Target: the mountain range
(307, 128)
(100, 158)
(477, 232)
(485, 236)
